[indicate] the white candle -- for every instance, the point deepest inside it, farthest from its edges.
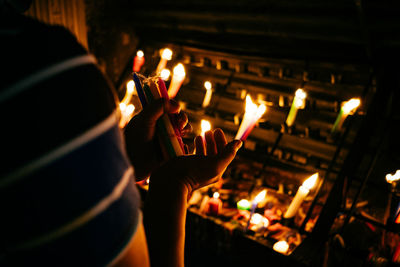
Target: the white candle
(298, 103)
(301, 194)
(281, 247)
(207, 97)
(177, 79)
(166, 54)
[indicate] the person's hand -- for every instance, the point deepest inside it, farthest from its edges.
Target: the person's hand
(140, 135)
(205, 167)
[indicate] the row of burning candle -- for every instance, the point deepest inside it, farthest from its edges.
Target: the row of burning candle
(252, 112)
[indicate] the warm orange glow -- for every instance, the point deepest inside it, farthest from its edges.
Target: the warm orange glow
(281, 247)
(311, 181)
(129, 110)
(179, 71)
(351, 105)
(205, 126)
(122, 106)
(207, 85)
(390, 178)
(165, 73)
(300, 98)
(130, 87)
(140, 53)
(216, 195)
(166, 54)
(256, 218)
(260, 197)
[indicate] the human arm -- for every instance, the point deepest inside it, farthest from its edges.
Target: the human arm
(166, 203)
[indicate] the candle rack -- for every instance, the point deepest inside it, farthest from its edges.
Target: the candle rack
(294, 152)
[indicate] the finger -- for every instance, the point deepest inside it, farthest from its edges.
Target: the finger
(211, 148)
(182, 120)
(188, 129)
(172, 107)
(152, 112)
(199, 145)
(220, 140)
(223, 159)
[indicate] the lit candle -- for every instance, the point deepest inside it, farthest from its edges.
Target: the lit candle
(130, 87)
(281, 247)
(177, 79)
(260, 197)
(165, 73)
(252, 114)
(347, 108)
(299, 102)
(166, 54)
(393, 178)
(207, 97)
(243, 204)
(214, 204)
(301, 194)
(126, 114)
(205, 126)
(138, 61)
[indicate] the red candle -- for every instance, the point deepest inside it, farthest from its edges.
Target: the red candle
(138, 61)
(214, 204)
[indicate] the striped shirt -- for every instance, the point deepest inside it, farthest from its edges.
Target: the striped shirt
(67, 190)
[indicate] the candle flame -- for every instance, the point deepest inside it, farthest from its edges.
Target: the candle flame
(311, 181)
(129, 110)
(300, 98)
(256, 218)
(205, 126)
(207, 85)
(250, 106)
(260, 111)
(244, 203)
(179, 71)
(281, 246)
(216, 195)
(260, 197)
(351, 105)
(390, 178)
(166, 54)
(165, 73)
(122, 106)
(140, 53)
(130, 87)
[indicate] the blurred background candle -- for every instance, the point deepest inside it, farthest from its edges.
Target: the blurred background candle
(347, 108)
(243, 204)
(301, 194)
(299, 102)
(138, 61)
(165, 73)
(126, 114)
(207, 97)
(260, 197)
(178, 77)
(166, 54)
(130, 88)
(281, 247)
(214, 204)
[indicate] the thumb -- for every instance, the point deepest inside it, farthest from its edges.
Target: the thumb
(154, 110)
(228, 154)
